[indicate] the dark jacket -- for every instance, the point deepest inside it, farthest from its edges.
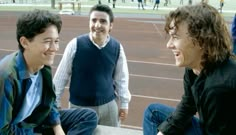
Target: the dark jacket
(12, 92)
(213, 96)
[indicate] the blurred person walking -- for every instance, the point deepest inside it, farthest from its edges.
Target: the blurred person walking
(190, 2)
(221, 5)
(166, 3)
(156, 4)
(140, 3)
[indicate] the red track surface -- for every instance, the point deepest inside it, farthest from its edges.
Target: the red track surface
(153, 76)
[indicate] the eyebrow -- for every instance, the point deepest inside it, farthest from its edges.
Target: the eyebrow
(172, 30)
(49, 38)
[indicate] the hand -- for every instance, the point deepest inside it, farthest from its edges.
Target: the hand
(160, 133)
(58, 130)
(123, 113)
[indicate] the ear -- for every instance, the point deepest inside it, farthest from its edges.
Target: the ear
(24, 42)
(111, 26)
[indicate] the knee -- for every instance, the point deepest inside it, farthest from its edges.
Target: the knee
(91, 114)
(148, 112)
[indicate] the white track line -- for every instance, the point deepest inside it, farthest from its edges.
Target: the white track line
(132, 127)
(158, 98)
(133, 61)
(154, 63)
(158, 31)
(156, 77)
(149, 97)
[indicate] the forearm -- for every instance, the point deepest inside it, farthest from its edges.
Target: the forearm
(178, 120)
(58, 130)
(160, 133)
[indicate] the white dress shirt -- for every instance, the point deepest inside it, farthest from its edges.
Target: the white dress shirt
(121, 76)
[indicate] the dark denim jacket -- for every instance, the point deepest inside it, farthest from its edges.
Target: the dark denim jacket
(13, 86)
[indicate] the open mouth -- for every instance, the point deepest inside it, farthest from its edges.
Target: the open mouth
(176, 54)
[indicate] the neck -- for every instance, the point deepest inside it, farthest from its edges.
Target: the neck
(32, 66)
(98, 41)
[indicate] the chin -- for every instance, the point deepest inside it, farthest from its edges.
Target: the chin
(179, 64)
(48, 63)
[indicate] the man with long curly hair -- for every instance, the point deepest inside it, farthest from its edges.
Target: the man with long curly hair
(200, 42)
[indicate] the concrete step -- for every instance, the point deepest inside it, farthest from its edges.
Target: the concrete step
(107, 130)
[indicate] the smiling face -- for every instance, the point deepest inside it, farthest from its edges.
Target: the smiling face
(42, 49)
(100, 26)
(187, 54)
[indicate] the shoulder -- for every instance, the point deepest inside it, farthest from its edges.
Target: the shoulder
(224, 75)
(114, 39)
(7, 65)
(115, 42)
(83, 36)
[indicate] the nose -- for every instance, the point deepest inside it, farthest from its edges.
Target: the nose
(170, 44)
(97, 24)
(54, 46)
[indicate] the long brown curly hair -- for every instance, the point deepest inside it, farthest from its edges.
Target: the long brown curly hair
(208, 29)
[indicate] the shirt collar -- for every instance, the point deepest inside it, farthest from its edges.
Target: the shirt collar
(21, 66)
(105, 43)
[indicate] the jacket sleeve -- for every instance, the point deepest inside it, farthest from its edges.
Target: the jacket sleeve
(233, 29)
(6, 107)
(182, 116)
(54, 117)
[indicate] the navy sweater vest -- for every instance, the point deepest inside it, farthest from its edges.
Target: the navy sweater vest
(92, 72)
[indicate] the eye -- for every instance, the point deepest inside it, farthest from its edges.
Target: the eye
(93, 20)
(103, 21)
(57, 41)
(175, 37)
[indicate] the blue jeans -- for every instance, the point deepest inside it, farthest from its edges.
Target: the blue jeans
(155, 114)
(75, 122)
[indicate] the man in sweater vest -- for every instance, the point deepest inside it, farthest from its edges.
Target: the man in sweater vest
(96, 65)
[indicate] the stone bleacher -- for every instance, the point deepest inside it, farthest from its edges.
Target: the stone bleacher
(106, 130)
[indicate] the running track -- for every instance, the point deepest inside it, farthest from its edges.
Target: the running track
(153, 75)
